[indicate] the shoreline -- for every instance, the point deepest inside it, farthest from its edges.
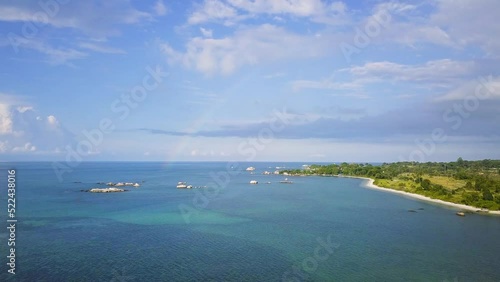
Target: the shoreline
(369, 183)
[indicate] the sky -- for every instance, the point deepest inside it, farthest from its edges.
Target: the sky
(249, 80)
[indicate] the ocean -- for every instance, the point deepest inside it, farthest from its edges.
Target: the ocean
(225, 229)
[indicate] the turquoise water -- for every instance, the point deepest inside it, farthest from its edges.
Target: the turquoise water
(316, 229)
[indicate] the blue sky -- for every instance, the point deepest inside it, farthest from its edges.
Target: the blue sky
(249, 80)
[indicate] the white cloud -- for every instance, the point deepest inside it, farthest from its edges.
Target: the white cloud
(52, 120)
(437, 74)
(302, 8)
(414, 35)
(206, 32)
(470, 22)
(482, 88)
(160, 8)
(394, 8)
(39, 27)
(100, 48)
(246, 47)
(212, 10)
(231, 11)
(331, 150)
(23, 109)
(400, 25)
(205, 153)
(454, 24)
(328, 83)
(15, 14)
(338, 7)
(55, 56)
(92, 17)
(3, 146)
(23, 131)
(444, 70)
(5, 120)
(28, 147)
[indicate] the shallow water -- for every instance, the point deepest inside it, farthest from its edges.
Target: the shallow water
(234, 231)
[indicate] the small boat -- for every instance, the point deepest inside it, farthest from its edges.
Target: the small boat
(250, 168)
(460, 213)
(286, 181)
(183, 185)
(254, 182)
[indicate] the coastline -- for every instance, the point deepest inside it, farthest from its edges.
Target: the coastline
(369, 184)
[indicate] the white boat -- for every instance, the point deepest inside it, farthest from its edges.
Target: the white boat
(254, 182)
(183, 185)
(286, 181)
(250, 168)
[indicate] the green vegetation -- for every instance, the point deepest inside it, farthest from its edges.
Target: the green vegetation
(475, 183)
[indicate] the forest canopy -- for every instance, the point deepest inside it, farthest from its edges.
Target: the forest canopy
(475, 183)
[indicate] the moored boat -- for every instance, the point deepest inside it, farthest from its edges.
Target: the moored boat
(183, 185)
(286, 181)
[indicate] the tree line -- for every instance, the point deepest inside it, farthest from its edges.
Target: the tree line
(481, 178)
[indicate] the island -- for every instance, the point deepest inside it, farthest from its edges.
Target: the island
(105, 190)
(112, 187)
(469, 185)
(123, 184)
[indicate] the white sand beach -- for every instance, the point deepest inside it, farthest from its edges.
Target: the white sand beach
(369, 184)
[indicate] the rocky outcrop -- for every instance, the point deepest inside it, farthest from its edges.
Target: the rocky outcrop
(104, 190)
(121, 184)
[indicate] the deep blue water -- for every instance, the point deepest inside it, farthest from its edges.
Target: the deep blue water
(316, 229)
